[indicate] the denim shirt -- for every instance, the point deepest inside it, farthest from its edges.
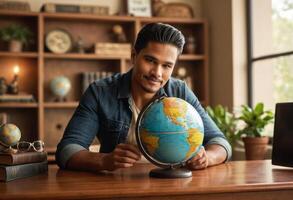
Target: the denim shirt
(104, 112)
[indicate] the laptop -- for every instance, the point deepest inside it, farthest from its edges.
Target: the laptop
(282, 153)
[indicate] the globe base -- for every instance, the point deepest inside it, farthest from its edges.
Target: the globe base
(60, 99)
(170, 173)
(9, 150)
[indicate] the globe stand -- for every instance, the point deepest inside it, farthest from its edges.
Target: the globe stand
(60, 99)
(9, 150)
(170, 173)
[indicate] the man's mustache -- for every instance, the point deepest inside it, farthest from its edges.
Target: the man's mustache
(153, 78)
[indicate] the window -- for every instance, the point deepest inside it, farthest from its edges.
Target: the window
(270, 51)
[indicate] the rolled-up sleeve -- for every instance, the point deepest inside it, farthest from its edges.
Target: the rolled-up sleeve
(66, 152)
(224, 143)
(81, 129)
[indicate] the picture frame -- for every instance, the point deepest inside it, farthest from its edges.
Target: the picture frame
(139, 8)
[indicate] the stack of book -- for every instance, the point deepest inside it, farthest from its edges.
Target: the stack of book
(21, 165)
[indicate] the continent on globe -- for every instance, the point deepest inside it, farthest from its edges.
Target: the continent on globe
(169, 131)
(60, 87)
(9, 134)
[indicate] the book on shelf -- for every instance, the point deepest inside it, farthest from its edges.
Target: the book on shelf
(110, 49)
(13, 172)
(22, 97)
(88, 77)
(22, 157)
(66, 8)
(15, 5)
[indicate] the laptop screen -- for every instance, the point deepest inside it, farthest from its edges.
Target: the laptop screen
(283, 135)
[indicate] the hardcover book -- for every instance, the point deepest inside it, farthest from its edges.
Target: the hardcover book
(17, 98)
(110, 49)
(22, 158)
(66, 8)
(13, 172)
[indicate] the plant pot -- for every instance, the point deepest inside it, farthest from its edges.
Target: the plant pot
(255, 147)
(15, 46)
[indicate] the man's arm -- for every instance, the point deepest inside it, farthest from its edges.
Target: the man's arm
(123, 156)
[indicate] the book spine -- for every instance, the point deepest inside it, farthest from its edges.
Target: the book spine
(84, 81)
(67, 8)
(23, 171)
(28, 158)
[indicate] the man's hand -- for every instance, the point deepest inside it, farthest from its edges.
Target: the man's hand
(200, 161)
(124, 155)
(209, 155)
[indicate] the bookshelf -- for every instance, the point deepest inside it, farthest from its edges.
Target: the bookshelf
(46, 119)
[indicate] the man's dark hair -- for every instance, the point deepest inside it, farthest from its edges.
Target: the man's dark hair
(159, 32)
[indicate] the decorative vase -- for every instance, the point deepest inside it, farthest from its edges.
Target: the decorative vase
(15, 46)
(255, 147)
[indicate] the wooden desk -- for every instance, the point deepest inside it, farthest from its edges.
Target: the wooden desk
(235, 180)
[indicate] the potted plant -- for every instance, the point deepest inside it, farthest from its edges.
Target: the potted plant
(16, 35)
(255, 120)
(225, 120)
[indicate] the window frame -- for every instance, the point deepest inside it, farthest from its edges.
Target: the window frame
(250, 58)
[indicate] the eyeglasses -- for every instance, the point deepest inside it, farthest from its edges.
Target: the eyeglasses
(28, 146)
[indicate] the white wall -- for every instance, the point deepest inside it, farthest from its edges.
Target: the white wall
(219, 16)
(227, 51)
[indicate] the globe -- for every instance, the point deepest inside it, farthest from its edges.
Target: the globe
(169, 132)
(9, 134)
(60, 86)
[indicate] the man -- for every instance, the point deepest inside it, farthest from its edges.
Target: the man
(108, 109)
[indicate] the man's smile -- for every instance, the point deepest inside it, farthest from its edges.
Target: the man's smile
(153, 79)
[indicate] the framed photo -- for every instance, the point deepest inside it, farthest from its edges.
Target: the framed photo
(140, 8)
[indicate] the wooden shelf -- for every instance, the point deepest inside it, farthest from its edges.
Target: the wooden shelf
(61, 105)
(19, 54)
(39, 67)
(116, 18)
(171, 20)
(18, 105)
(19, 13)
(191, 57)
(82, 16)
(79, 56)
(99, 57)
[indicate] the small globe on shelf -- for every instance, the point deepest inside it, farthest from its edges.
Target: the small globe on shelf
(9, 136)
(169, 132)
(60, 87)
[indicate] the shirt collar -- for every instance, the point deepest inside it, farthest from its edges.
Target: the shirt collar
(124, 88)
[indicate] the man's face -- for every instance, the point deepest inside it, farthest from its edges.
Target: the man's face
(153, 66)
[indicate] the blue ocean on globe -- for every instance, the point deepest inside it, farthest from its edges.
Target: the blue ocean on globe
(171, 131)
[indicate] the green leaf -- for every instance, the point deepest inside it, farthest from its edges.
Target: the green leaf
(258, 110)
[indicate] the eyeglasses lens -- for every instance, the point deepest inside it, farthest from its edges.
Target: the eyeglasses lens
(38, 145)
(23, 146)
